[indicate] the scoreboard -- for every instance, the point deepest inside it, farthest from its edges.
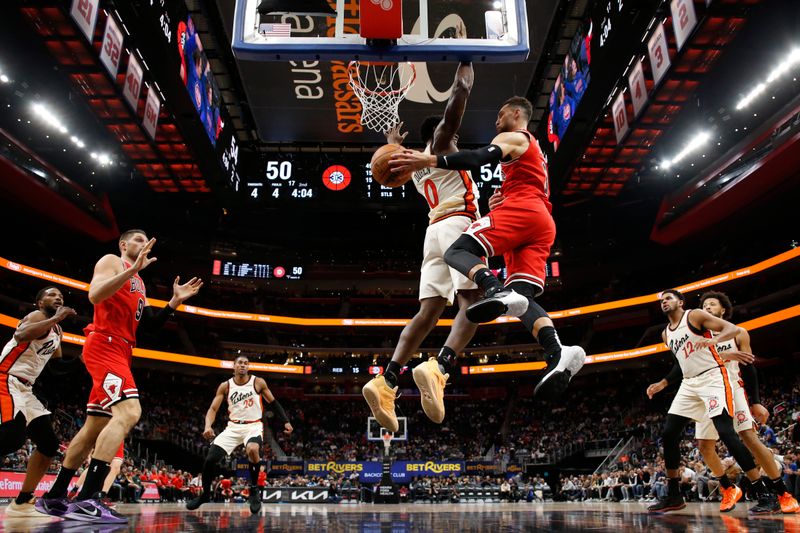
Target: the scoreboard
(304, 178)
(240, 269)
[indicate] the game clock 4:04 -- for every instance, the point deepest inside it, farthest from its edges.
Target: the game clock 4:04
(280, 179)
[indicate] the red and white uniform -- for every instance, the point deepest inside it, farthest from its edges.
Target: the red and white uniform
(742, 417)
(245, 413)
(452, 198)
(110, 340)
(521, 229)
(20, 365)
(706, 388)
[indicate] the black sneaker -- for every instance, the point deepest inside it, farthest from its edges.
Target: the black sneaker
(255, 500)
(670, 503)
(197, 502)
(560, 370)
(504, 302)
(767, 504)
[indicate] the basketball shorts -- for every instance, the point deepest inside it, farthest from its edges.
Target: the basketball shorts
(522, 235)
(120, 452)
(108, 361)
(742, 417)
(436, 278)
(17, 397)
(236, 434)
(704, 396)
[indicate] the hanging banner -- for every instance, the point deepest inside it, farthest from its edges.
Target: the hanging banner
(151, 110)
(84, 13)
(638, 88)
(659, 53)
(111, 51)
(133, 82)
(620, 117)
(684, 19)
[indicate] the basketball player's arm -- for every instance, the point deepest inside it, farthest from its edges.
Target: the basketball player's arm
(506, 145)
(750, 378)
(273, 404)
(36, 324)
(445, 132)
(109, 276)
(211, 415)
(674, 375)
(153, 320)
(704, 321)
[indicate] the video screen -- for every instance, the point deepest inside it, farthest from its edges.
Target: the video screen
(570, 86)
(199, 80)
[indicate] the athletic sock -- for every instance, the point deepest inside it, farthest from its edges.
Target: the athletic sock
(548, 338)
(446, 359)
(392, 374)
(61, 484)
(673, 487)
(760, 488)
(724, 482)
(24, 497)
(254, 468)
(777, 486)
(487, 281)
(95, 476)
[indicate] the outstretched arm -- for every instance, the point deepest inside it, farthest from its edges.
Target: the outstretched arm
(445, 132)
(36, 325)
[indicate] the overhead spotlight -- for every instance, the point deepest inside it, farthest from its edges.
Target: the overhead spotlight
(694, 143)
(103, 159)
(4, 78)
(48, 116)
(791, 60)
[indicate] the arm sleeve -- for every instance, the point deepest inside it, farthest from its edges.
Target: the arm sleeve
(277, 409)
(750, 378)
(674, 375)
(153, 320)
(467, 159)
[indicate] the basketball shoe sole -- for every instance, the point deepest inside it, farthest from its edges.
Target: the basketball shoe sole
(373, 393)
(506, 302)
(556, 380)
(431, 382)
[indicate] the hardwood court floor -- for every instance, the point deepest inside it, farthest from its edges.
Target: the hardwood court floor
(457, 518)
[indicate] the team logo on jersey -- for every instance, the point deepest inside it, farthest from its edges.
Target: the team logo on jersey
(713, 403)
(113, 386)
(480, 224)
(740, 417)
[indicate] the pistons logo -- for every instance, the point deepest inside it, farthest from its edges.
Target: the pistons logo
(740, 417)
(713, 403)
(336, 177)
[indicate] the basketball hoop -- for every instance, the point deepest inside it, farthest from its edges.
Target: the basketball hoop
(381, 87)
(387, 440)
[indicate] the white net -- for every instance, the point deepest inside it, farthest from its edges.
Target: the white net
(381, 87)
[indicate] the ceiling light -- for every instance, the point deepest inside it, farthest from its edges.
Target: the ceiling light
(4, 78)
(791, 60)
(694, 143)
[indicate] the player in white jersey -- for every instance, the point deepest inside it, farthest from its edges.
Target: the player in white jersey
(748, 411)
(245, 395)
(452, 198)
(36, 340)
(705, 391)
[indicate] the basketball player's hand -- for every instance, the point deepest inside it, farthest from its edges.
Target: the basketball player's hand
(704, 343)
(744, 358)
(142, 261)
(760, 413)
(410, 161)
(64, 312)
(288, 428)
(208, 434)
(655, 388)
(496, 200)
(181, 293)
(393, 135)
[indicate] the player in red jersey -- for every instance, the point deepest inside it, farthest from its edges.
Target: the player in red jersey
(120, 304)
(519, 227)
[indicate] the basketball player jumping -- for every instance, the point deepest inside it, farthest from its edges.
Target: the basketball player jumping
(704, 392)
(245, 395)
(747, 410)
(36, 340)
(120, 305)
(452, 198)
(519, 227)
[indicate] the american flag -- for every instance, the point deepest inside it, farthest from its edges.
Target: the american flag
(275, 30)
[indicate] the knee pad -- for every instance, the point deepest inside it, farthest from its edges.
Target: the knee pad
(215, 455)
(42, 434)
(463, 254)
(12, 435)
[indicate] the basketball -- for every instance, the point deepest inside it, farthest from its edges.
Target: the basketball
(381, 171)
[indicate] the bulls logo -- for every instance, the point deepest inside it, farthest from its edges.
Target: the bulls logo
(113, 386)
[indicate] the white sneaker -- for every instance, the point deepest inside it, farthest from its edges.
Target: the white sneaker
(506, 302)
(23, 510)
(560, 372)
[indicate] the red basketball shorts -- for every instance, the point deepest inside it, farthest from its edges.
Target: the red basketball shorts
(522, 235)
(108, 360)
